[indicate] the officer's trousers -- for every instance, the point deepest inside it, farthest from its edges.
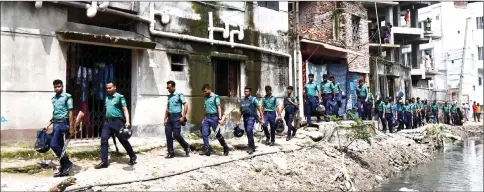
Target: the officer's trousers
(289, 117)
(328, 103)
(389, 119)
(211, 122)
(57, 141)
(249, 128)
(270, 119)
(408, 119)
(401, 120)
(361, 108)
(172, 130)
(310, 107)
(383, 120)
(113, 126)
(436, 116)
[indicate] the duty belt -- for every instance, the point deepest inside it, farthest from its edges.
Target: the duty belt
(60, 121)
(211, 115)
(112, 119)
(266, 112)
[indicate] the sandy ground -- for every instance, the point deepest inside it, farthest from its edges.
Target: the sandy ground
(309, 166)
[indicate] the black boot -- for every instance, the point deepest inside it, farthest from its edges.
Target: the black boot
(205, 151)
(170, 155)
(288, 138)
(132, 160)
(268, 140)
(187, 151)
(226, 151)
(102, 165)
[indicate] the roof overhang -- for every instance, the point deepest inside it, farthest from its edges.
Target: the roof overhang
(332, 47)
(86, 34)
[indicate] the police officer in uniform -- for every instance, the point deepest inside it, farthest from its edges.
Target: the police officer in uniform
(290, 108)
(400, 115)
(435, 111)
(446, 110)
(361, 99)
(270, 107)
(313, 97)
(248, 109)
(370, 105)
(407, 111)
(337, 93)
(380, 112)
(387, 110)
(419, 112)
(174, 118)
(453, 112)
(63, 120)
(328, 93)
(116, 108)
(213, 118)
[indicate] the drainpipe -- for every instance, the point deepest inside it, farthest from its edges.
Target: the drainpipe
(211, 28)
(92, 10)
(38, 4)
(210, 41)
(108, 10)
(298, 67)
(240, 34)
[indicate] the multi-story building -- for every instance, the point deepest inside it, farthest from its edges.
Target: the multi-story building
(140, 45)
(449, 19)
(333, 41)
(395, 47)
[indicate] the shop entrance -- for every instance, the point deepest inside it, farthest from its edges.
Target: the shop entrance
(89, 67)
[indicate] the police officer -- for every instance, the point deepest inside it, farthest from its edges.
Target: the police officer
(419, 112)
(414, 113)
(361, 98)
(328, 93)
(63, 120)
(453, 112)
(380, 112)
(435, 111)
(446, 110)
(400, 115)
(407, 110)
(387, 110)
(213, 118)
(370, 105)
(174, 118)
(290, 108)
(313, 97)
(116, 108)
(337, 93)
(248, 109)
(270, 107)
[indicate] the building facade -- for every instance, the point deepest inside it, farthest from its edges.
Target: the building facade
(140, 45)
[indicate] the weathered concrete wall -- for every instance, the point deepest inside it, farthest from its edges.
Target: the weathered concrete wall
(256, 69)
(32, 58)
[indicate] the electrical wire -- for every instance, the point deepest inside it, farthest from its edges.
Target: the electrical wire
(82, 188)
(28, 33)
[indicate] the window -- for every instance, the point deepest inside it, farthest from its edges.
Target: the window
(177, 62)
(227, 75)
(479, 23)
(479, 79)
(480, 53)
(274, 5)
(355, 23)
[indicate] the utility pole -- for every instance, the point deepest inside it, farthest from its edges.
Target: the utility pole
(461, 78)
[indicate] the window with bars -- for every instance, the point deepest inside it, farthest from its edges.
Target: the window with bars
(479, 22)
(480, 53)
(274, 5)
(355, 23)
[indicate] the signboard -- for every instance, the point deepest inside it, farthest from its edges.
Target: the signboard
(460, 4)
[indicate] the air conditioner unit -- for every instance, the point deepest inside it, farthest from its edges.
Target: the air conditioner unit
(431, 84)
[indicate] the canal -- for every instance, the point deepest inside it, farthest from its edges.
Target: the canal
(457, 167)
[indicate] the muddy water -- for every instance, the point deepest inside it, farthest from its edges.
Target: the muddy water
(457, 167)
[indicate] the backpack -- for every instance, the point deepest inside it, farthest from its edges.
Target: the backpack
(247, 107)
(42, 144)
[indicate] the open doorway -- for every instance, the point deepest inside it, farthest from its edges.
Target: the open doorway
(89, 68)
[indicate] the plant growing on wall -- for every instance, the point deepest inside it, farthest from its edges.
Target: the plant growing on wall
(356, 131)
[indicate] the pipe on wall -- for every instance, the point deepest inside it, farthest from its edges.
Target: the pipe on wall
(38, 4)
(211, 28)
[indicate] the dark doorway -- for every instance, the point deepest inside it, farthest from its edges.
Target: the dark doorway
(227, 75)
(391, 87)
(89, 68)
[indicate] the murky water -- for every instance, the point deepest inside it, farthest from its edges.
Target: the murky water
(458, 167)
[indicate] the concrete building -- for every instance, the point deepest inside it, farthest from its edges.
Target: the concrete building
(333, 37)
(396, 47)
(450, 22)
(141, 45)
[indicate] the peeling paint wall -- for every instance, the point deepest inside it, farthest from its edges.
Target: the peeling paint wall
(256, 69)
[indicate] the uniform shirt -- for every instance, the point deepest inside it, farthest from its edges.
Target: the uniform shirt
(286, 102)
(62, 104)
(211, 102)
(380, 106)
(327, 87)
(435, 107)
(311, 89)
(453, 109)
(175, 102)
(336, 88)
(114, 105)
(407, 108)
(446, 108)
(363, 91)
(388, 108)
(370, 98)
(270, 103)
(419, 105)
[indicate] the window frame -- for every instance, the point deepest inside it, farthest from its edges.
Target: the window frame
(272, 5)
(182, 65)
(232, 64)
